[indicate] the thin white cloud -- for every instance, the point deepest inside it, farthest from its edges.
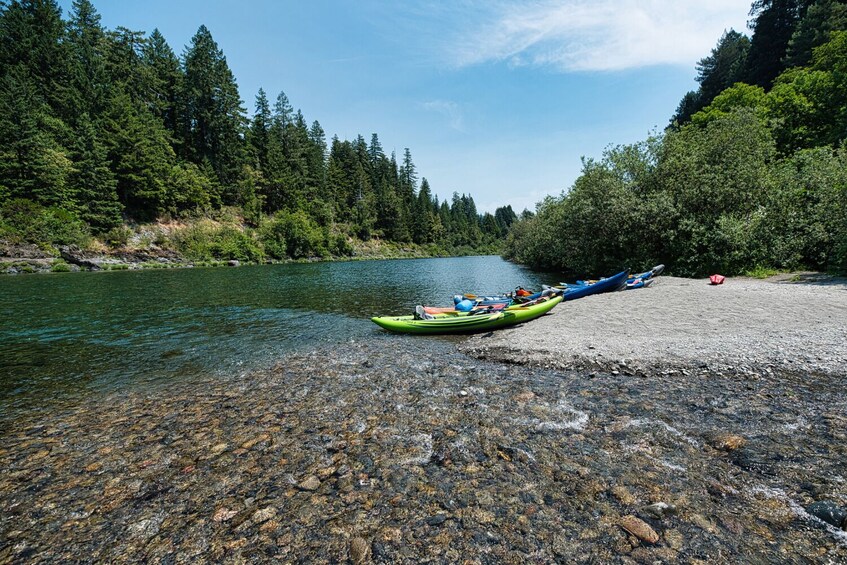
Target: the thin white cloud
(598, 35)
(449, 110)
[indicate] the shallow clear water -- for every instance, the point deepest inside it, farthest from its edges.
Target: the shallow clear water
(66, 334)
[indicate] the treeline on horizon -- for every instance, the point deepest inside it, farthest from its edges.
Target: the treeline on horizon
(103, 127)
(750, 177)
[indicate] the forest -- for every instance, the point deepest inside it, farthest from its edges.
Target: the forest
(750, 177)
(103, 132)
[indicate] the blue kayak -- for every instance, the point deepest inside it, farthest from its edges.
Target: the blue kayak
(644, 279)
(587, 288)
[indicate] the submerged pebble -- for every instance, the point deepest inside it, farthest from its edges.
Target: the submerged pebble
(359, 455)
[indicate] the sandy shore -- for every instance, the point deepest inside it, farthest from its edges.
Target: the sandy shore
(743, 326)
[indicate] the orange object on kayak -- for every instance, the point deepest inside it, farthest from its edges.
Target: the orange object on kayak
(522, 292)
(717, 279)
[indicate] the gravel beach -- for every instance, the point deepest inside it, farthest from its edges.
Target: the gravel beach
(405, 450)
(741, 326)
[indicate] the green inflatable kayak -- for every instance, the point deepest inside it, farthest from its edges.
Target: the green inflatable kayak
(467, 322)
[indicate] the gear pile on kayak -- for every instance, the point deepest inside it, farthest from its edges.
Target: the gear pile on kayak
(472, 313)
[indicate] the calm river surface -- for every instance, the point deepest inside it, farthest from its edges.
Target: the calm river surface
(66, 334)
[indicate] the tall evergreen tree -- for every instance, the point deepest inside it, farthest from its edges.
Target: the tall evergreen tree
(773, 24)
(32, 35)
(821, 19)
(88, 49)
(165, 81)
(720, 70)
(33, 164)
(214, 119)
(91, 181)
(260, 130)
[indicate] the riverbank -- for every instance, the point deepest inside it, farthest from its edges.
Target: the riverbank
(30, 259)
(402, 449)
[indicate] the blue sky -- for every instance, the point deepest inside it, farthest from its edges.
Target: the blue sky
(494, 98)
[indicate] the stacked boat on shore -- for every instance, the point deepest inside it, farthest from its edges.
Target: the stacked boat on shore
(471, 313)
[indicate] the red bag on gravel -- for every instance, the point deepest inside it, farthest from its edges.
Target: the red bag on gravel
(717, 279)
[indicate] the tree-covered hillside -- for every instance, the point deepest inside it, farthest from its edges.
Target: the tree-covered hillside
(102, 127)
(750, 176)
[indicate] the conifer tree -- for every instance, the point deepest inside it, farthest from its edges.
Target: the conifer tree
(165, 81)
(88, 48)
(32, 35)
(92, 182)
(214, 117)
(33, 164)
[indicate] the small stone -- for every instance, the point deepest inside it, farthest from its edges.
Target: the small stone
(674, 539)
(219, 448)
(659, 510)
(224, 514)
(463, 392)
(639, 528)
(623, 495)
(436, 520)
(359, 550)
(264, 514)
(524, 396)
(310, 483)
(726, 442)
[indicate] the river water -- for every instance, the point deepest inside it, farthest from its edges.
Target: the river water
(68, 334)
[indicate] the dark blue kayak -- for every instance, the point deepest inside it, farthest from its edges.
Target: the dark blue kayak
(587, 288)
(644, 279)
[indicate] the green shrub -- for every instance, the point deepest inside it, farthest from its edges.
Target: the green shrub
(294, 235)
(117, 237)
(60, 266)
(205, 242)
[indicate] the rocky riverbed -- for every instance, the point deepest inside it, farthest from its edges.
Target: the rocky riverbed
(407, 451)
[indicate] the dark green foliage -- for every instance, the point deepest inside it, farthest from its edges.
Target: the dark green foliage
(214, 119)
(117, 236)
(822, 18)
(774, 22)
(720, 70)
(92, 183)
(22, 220)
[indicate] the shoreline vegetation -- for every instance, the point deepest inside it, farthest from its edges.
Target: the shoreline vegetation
(204, 242)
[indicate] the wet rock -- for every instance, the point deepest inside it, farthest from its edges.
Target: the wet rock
(623, 495)
(658, 510)
(264, 514)
(639, 528)
(224, 514)
(359, 550)
(829, 512)
(726, 442)
(436, 520)
(310, 483)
